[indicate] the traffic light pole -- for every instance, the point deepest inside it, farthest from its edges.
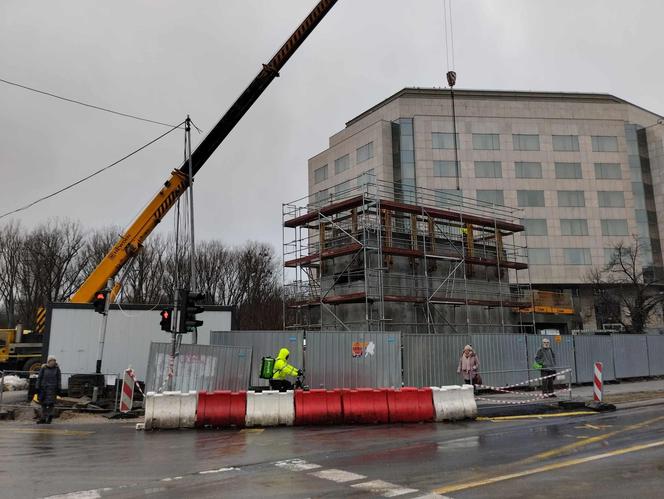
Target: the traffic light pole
(192, 252)
(102, 326)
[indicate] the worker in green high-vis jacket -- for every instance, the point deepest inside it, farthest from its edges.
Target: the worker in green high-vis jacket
(282, 370)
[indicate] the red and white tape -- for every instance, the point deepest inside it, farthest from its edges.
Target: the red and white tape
(523, 383)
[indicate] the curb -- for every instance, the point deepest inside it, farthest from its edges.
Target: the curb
(640, 403)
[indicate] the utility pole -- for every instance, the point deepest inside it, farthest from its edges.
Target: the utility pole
(451, 81)
(192, 254)
(104, 322)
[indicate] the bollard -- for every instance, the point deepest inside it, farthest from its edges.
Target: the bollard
(598, 386)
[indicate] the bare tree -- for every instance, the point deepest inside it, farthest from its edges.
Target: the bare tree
(624, 284)
(11, 248)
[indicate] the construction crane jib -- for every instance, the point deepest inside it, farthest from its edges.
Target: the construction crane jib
(131, 241)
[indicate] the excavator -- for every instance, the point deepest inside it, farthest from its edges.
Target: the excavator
(130, 243)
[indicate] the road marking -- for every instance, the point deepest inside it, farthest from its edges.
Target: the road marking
(252, 430)
(171, 479)
(549, 467)
(339, 476)
(538, 416)
(220, 470)
(432, 496)
(68, 433)
(590, 440)
(589, 426)
(297, 465)
(81, 494)
(386, 489)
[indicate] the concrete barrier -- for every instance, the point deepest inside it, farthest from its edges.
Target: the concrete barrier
(468, 401)
(188, 405)
(449, 403)
(270, 408)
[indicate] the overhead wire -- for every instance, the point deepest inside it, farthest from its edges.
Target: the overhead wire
(85, 104)
(88, 177)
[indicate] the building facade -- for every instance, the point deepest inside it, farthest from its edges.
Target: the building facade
(584, 169)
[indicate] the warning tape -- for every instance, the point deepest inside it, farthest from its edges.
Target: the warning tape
(523, 383)
(132, 374)
(536, 398)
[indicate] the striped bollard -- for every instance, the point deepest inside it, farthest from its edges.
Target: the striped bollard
(127, 394)
(598, 386)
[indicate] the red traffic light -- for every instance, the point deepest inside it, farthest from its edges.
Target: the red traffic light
(165, 314)
(100, 296)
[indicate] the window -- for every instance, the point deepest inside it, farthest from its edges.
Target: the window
(320, 174)
(611, 199)
(342, 187)
(568, 170)
(606, 171)
(611, 255)
(321, 196)
(367, 177)
(577, 256)
(365, 152)
(443, 140)
(445, 169)
(525, 169)
(488, 169)
(490, 196)
(573, 227)
(535, 226)
(449, 198)
(486, 141)
(525, 142)
(539, 256)
(530, 198)
(614, 227)
(342, 164)
(572, 199)
(604, 144)
(565, 143)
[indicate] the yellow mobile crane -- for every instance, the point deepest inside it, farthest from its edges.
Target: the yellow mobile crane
(131, 241)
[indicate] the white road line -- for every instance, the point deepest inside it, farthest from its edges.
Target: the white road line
(220, 470)
(171, 479)
(81, 494)
(386, 489)
(297, 465)
(338, 476)
(432, 496)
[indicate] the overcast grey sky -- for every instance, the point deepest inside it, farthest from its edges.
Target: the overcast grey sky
(165, 59)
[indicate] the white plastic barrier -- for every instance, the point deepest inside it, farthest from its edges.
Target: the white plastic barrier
(270, 408)
(170, 410)
(468, 400)
(452, 402)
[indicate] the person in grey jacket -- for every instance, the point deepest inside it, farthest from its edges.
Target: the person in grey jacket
(546, 357)
(48, 386)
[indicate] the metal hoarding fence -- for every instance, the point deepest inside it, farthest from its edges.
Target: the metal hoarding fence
(562, 345)
(501, 352)
(199, 367)
(591, 349)
(263, 344)
(348, 359)
(630, 355)
(655, 354)
(432, 359)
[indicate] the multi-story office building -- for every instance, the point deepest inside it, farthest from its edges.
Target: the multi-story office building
(586, 169)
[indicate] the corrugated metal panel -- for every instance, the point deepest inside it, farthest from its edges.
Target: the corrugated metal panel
(263, 344)
(656, 354)
(591, 349)
(501, 352)
(432, 359)
(74, 337)
(562, 345)
(630, 355)
(199, 367)
(342, 359)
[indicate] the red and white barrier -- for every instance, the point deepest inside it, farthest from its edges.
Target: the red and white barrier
(598, 385)
(171, 410)
(127, 392)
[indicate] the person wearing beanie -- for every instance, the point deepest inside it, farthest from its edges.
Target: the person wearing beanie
(48, 386)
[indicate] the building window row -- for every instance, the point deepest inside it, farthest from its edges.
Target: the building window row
(571, 256)
(525, 142)
(575, 227)
(342, 164)
(528, 170)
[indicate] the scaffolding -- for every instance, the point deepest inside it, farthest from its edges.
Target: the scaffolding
(377, 256)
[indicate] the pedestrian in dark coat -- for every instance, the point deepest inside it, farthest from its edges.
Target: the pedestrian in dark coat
(48, 387)
(546, 357)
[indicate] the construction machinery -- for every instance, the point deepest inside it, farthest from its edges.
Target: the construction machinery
(20, 350)
(131, 241)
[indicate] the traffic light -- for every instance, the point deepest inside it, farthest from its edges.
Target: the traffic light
(166, 319)
(100, 302)
(188, 310)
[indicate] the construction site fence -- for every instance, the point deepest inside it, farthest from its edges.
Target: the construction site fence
(350, 359)
(198, 367)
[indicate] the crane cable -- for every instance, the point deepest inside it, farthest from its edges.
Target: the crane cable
(448, 34)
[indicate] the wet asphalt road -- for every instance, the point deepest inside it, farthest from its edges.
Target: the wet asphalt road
(609, 455)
